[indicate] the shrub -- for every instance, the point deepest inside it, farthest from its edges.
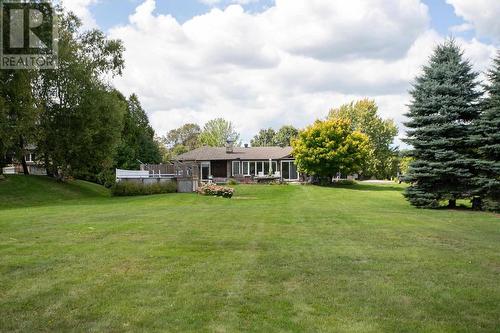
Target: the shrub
(216, 190)
(131, 188)
(232, 181)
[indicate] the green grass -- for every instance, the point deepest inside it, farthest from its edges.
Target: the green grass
(273, 258)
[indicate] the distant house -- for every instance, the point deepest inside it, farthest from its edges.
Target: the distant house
(34, 168)
(246, 164)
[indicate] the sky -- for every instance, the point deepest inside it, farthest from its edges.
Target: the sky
(269, 63)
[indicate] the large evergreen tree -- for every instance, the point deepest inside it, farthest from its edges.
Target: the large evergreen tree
(444, 103)
(137, 142)
(486, 140)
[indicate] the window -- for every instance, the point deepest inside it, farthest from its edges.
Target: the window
(236, 168)
(205, 170)
(246, 168)
(252, 168)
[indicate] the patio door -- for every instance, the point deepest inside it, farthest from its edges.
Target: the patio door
(289, 171)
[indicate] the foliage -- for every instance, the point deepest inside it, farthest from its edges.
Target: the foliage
(269, 137)
(285, 135)
(216, 190)
(217, 131)
(404, 164)
(382, 160)
(19, 114)
(265, 138)
(82, 116)
(444, 102)
(126, 188)
(486, 142)
(331, 146)
(137, 139)
(181, 140)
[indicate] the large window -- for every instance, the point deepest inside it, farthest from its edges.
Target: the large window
(252, 168)
(236, 168)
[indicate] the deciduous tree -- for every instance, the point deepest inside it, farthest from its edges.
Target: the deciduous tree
(364, 117)
(216, 132)
(331, 146)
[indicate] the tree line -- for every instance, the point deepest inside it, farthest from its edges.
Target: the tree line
(79, 125)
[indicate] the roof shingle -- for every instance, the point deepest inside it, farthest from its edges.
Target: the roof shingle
(250, 153)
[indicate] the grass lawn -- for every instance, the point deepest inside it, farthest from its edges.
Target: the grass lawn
(273, 258)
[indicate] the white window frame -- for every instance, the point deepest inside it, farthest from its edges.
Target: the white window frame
(247, 163)
(239, 168)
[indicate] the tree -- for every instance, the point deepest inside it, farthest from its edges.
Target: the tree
(137, 138)
(183, 139)
(285, 136)
(265, 138)
(216, 132)
(330, 146)
(364, 118)
(444, 103)
(19, 113)
(486, 141)
(81, 119)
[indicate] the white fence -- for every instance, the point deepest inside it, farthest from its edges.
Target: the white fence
(141, 174)
(9, 170)
(131, 174)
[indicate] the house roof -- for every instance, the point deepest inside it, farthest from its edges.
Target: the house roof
(250, 153)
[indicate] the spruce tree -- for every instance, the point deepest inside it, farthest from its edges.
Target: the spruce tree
(486, 139)
(444, 103)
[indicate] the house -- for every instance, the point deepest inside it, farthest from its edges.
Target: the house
(34, 168)
(246, 164)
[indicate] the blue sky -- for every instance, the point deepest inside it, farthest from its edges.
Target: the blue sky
(270, 63)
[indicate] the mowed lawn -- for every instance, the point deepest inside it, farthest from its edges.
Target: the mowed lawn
(273, 258)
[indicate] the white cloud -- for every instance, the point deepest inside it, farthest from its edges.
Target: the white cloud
(81, 9)
(217, 2)
(482, 14)
(287, 65)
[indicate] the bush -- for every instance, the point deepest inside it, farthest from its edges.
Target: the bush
(216, 190)
(125, 188)
(232, 181)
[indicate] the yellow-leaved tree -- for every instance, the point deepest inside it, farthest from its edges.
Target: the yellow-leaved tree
(331, 146)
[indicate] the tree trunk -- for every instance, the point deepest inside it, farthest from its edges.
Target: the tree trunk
(477, 203)
(452, 203)
(23, 157)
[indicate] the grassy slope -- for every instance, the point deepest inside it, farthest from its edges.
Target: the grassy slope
(274, 258)
(21, 191)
